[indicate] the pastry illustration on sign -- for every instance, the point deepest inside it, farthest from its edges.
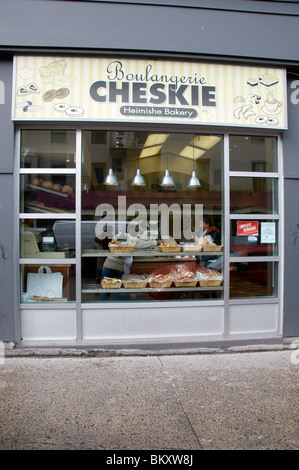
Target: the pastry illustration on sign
(53, 73)
(28, 90)
(58, 94)
(268, 80)
(244, 111)
(262, 106)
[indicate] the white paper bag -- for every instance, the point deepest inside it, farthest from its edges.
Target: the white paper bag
(45, 284)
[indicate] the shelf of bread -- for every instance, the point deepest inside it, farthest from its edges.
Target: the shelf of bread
(179, 277)
(151, 252)
(97, 289)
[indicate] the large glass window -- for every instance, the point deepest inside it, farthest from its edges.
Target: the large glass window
(156, 217)
(47, 216)
(254, 214)
(151, 216)
(253, 153)
(48, 149)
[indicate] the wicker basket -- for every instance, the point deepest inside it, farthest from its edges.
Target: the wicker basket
(212, 248)
(192, 247)
(186, 283)
(135, 284)
(107, 284)
(120, 248)
(210, 283)
(170, 249)
(160, 284)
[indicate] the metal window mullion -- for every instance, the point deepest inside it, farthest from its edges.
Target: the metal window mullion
(78, 237)
(253, 259)
(280, 235)
(16, 239)
(253, 174)
(254, 216)
(49, 216)
(226, 235)
(52, 261)
(47, 171)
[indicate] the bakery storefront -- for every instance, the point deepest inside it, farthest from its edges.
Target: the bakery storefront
(149, 208)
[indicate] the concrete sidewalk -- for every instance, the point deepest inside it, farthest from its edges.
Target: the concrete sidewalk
(236, 400)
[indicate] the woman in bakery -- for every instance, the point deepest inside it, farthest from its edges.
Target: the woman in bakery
(116, 267)
(209, 229)
(212, 232)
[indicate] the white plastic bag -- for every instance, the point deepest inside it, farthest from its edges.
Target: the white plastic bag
(45, 284)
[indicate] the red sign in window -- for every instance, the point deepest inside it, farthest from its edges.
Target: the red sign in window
(248, 228)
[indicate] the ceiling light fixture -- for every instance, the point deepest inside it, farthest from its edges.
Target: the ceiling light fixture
(111, 179)
(193, 181)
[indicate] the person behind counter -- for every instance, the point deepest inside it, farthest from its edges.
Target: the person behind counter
(116, 266)
(212, 233)
(209, 229)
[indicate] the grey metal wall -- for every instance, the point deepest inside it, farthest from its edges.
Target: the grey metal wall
(291, 204)
(6, 204)
(224, 30)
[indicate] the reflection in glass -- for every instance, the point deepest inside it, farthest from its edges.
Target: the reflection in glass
(152, 153)
(253, 195)
(36, 287)
(47, 238)
(47, 193)
(254, 279)
(48, 149)
(253, 153)
(262, 241)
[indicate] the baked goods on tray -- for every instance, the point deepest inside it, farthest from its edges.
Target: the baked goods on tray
(160, 280)
(169, 247)
(116, 246)
(209, 277)
(110, 283)
(208, 245)
(183, 277)
(191, 247)
(134, 281)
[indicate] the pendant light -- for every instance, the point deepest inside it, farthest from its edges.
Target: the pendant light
(193, 181)
(111, 179)
(138, 179)
(167, 180)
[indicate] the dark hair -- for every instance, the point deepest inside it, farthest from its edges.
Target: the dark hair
(207, 219)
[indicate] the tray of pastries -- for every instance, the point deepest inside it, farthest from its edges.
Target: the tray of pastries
(169, 247)
(208, 245)
(111, 283)
(160, 280)
(183, 277)
(191, 247)
(209, 278)
(116, 246)
(134, 281)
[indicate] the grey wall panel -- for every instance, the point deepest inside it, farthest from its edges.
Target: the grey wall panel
(291, 196)
(291, 136)
(6, 125)
(121, 27)
(6, 203)
(291, 291)
(6, 258)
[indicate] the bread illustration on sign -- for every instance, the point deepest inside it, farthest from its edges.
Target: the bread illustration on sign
(268, 80)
